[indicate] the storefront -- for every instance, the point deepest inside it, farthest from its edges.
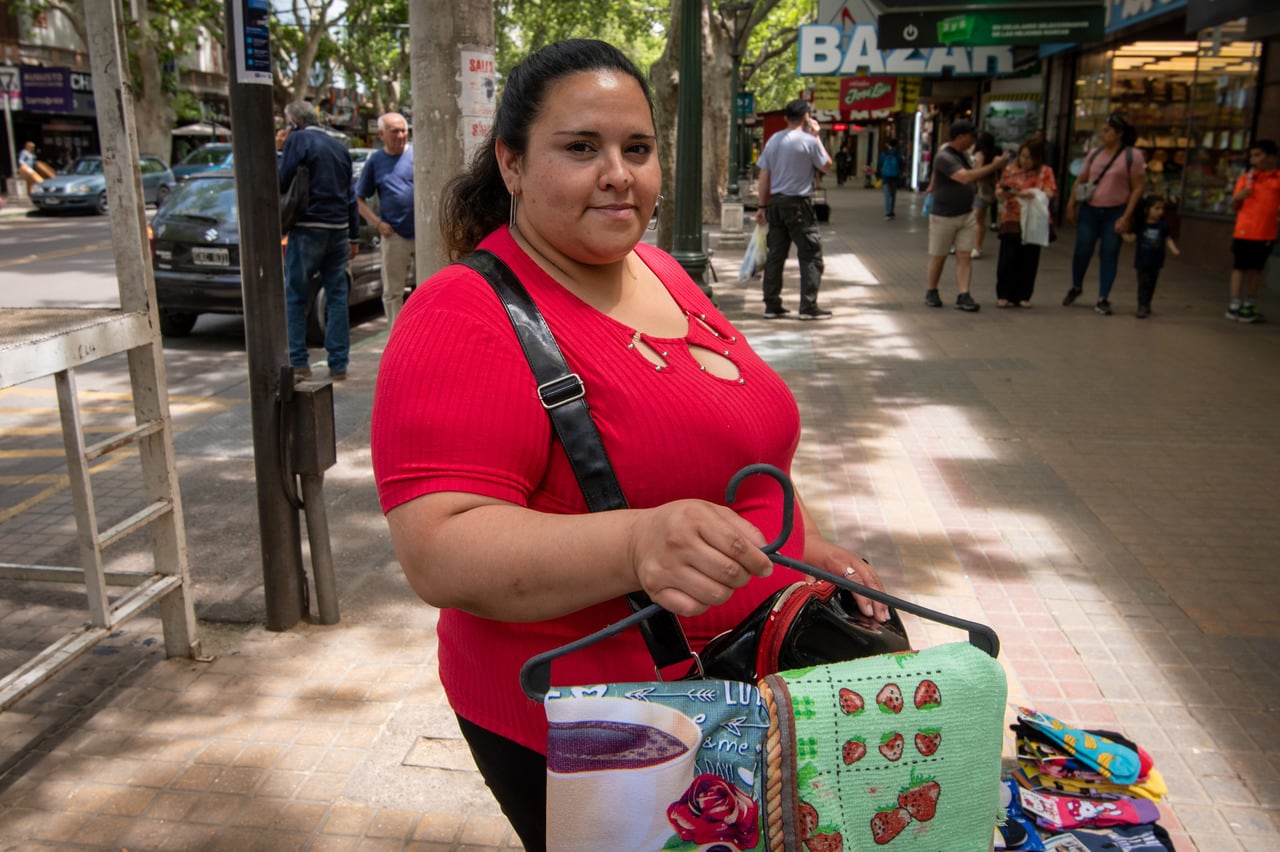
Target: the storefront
(1195, 99)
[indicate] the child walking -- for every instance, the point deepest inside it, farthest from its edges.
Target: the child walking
(1153, 240)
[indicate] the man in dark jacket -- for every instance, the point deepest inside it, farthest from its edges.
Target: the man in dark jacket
(323, 241)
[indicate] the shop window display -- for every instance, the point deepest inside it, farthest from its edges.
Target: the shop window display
(1192, 104)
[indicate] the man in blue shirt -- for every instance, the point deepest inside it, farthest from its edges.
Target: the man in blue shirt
(323, 241)
(389, 175)
(785, 189)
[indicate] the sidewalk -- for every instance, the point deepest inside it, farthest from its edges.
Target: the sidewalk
(1099, 489)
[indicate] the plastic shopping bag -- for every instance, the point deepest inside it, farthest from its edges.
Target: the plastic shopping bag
(753, 257)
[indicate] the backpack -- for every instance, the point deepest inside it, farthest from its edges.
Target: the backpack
(890, 164)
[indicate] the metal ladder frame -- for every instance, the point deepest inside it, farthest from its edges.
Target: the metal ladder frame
(50, 342)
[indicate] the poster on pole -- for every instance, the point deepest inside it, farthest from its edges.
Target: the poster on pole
(477, 99)
(11, 86)
(253, 41)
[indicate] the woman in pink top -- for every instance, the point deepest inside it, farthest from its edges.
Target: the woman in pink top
(1119, 170)
(487, 519)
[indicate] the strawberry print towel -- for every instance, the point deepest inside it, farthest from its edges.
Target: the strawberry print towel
(900, 751)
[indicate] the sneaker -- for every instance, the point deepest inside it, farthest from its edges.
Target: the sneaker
(1103, 307)
(1248, 313)
(815, 314)
(300, 373)
(776, 313)
(1071, 296)
(1233, 311)
(965, 302)
(932, 299)
(1143, 312)
(975, 253)
(338, 375)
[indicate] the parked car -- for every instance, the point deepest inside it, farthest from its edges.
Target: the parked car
(83, 185)
(195, 252)
(209, 157)
(358, 158)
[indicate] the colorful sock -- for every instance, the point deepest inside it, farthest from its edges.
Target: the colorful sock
(1060, 812)
(1112, 760)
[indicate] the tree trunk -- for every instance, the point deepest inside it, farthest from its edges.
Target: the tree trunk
(153, 109)
(664, 78)
(717, 99)
(440, 30)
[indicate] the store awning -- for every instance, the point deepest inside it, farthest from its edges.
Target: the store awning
(1264, 19)
(972, 23)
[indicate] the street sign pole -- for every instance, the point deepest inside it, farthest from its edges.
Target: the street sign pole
(262, 282)
(9, 80)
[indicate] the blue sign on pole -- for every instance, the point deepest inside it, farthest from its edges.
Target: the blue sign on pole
(46, 89)
(746, 104)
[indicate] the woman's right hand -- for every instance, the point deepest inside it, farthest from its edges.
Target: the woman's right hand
(690, 555)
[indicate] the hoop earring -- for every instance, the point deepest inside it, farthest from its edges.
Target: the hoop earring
(653, 220)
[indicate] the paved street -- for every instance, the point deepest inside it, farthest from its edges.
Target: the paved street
(1099, 489)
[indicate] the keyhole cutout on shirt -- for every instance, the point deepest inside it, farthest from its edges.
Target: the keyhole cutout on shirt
(653, 355)
(714, 363)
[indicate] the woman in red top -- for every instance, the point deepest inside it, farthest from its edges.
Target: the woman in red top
(1019, 261)
(487, 519)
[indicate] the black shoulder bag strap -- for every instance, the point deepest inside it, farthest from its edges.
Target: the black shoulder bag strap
(564, 397)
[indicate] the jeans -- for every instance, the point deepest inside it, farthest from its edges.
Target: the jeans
(1094, 224)
(792, 219)
(890, 187)
(324, 253)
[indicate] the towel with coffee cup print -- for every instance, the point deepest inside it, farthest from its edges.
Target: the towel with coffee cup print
(900, 751)
(648, 766)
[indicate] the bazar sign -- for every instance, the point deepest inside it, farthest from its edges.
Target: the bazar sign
(825, 51)
(868, 93)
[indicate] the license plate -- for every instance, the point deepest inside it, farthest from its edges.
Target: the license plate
(210, 257)
(52, 202)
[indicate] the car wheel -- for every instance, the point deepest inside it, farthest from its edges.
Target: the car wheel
(161, 194)
(101, 206)
(177, 323)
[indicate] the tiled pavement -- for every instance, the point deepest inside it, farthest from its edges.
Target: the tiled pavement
(1101, 490)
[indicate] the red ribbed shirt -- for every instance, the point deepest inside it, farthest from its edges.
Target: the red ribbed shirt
(456, 409)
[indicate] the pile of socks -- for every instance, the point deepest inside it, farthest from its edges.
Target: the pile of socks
(1078, 791)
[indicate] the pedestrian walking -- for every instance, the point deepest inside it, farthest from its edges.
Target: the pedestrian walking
(27, 166)
(1152, 241)
(323, 241)
(951, 218)
(487, 518)
(785, 191)
(1102, 205)
(1257, 202)
(388, 174)
(889, 168)
(1026, 181)
(984, 198)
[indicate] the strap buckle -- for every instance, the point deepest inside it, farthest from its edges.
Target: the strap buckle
(561, 391)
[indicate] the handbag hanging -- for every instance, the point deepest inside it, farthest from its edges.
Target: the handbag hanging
(800, 625)
(901, 749)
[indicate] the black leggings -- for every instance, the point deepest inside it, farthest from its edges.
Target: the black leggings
(517, 777)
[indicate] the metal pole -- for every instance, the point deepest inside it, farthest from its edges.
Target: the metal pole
(735, 152)
(687, 245)
(321, 551)
(262, 283)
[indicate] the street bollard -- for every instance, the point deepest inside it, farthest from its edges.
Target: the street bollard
(314, 451)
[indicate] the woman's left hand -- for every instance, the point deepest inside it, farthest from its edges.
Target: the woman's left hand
(1122, 225)
(842, 562)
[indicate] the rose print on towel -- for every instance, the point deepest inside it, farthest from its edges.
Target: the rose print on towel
(713, 810)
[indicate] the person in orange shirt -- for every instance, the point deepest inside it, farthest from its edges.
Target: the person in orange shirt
(1257, 203)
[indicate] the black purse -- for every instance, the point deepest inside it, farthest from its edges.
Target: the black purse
(801, 625)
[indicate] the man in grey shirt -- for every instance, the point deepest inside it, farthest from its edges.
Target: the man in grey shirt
(785, 191)
(952, 221)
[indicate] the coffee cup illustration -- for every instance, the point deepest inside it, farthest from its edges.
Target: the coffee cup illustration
(614, 766)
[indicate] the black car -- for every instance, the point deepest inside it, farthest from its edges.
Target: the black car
(195, 252)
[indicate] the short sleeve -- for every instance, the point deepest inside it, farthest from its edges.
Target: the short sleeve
(365, 183)
(456, 405)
